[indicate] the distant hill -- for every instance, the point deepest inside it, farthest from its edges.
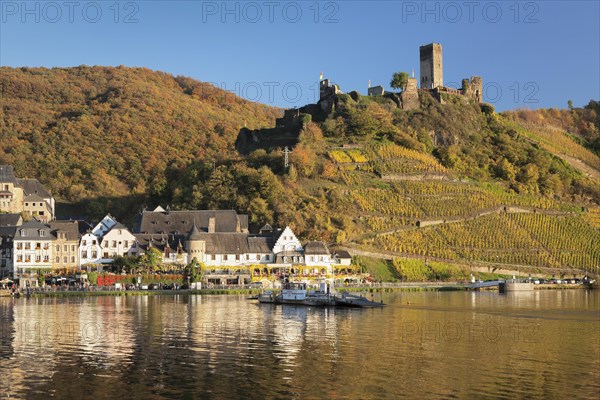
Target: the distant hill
(452, 182)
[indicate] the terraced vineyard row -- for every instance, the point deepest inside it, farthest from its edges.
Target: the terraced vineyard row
(560, 142)
(593, 217)
(526, 239)
(424, 242)
(389, 158)
(572, 240)
(385, 202)
(383, 223)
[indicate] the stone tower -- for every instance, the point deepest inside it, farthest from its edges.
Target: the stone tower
(432, 73)
(473, 88)
(196, 246)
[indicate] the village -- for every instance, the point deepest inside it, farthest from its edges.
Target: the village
(35, 246)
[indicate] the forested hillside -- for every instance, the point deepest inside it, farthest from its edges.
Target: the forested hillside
(453, 182)
(98, 131)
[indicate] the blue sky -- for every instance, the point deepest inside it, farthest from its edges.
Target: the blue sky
(530, 53)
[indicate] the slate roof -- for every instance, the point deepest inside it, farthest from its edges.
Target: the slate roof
(33, 186)
(181, 222)
(342, 254)
(160, 242)
(10, 219)
(8, 231)
(260, 244)
(33, 228)
(71, 228)
(226, 243)
(266, 228)
(316, 248)
(7, 174)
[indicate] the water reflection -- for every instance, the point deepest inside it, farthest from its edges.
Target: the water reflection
(422, 344)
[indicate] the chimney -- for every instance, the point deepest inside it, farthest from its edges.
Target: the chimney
(211, 225)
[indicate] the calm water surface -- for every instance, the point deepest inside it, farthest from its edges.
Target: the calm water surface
(543, 344)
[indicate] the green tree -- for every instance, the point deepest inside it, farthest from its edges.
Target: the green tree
(152, 260)
(570, 104)
(194, 271)
(399, 80)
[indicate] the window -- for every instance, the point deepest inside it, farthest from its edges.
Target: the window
(42, 233)
(58, 247)
(27, 246)
(19, 246)
(83, 242)
(24, 232)
(41, 212)
(57, 259)
(65, 259)
(46, 246)
(114, 243)
(126, 243)
(19, 258)
(72, 259)
(26, 204)
(38, 258)
(105, 254)
(237, 257)
(65, 248)
(73, 248)
(213, 257)
(46, 258)
(27, 258)
(84, 254)
(94, 254)
(94, 242)
(257, 257)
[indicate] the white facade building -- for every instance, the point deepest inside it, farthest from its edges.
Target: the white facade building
(32, 252)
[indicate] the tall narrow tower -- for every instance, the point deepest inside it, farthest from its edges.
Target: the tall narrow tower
(432, 73)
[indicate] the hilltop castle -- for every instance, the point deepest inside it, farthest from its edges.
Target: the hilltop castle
(288, 127)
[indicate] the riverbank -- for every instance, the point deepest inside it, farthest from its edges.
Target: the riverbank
(382, 288)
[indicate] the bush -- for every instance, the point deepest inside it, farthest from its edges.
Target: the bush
(487, 109)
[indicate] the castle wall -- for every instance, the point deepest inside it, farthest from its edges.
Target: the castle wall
(410, 95)
(473, 88)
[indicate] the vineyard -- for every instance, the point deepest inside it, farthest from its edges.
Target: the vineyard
(593, 217)
(389, 158)
(518, 239)
(559, 141)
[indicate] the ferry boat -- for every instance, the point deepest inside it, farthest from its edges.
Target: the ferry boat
(297, 293)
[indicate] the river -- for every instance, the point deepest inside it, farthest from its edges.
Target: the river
(542, 344)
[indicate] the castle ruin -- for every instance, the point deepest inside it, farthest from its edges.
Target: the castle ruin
(432, 76)
(432, 70)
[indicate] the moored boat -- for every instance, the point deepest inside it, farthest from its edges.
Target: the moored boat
(299, 294)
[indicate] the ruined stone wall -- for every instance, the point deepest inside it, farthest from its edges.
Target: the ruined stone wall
(410, 95)
(473, 88)
(376, 91)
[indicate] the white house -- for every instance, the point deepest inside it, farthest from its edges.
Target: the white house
(287, 248)
(90, 251)
(118, 241)
(32, 252)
